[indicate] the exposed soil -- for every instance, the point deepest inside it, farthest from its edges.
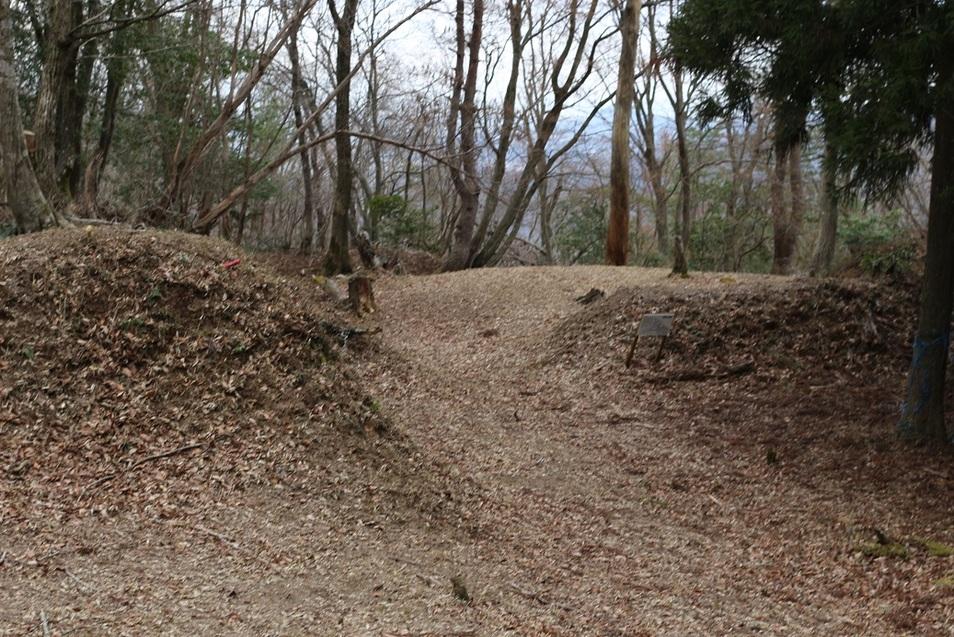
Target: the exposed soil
(747, 483)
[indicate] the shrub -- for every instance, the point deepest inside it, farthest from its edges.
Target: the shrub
(880, 244)
(395, 223)
(581, 238)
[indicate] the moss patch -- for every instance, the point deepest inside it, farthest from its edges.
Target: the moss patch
(876, 549)
(945, 582)
(937, 549)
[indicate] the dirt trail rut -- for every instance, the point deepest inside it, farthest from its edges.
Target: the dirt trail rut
(574, 507)
(586, 514)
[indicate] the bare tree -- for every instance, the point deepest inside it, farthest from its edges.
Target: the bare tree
(617, 236)
(568, 64)
(184, 167)
(683, 227)
(463, 113)
(744, 149)
(646, 124)
(299, 99)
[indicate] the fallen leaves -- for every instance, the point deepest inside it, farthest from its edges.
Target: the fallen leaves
(125, 351)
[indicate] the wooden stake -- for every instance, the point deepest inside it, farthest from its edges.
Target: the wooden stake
(632, 350)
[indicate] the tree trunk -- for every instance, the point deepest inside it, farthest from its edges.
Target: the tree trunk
(19, 189)
(361, 295)
(646, 121)
(922, 418)
(57, 74)
(782, 244)
(298, 101)
(338, 258)
(825, 250)
(661, 202)
(508, 119)
(731, 229)
(74, 115)
(796, 186)
(115, 78)
(617, 234)
(465, 178)
(684, 226)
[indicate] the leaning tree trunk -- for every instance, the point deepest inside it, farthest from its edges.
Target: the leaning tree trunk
(617, 233)
(18, 184)
(647, 124)
(922, 418)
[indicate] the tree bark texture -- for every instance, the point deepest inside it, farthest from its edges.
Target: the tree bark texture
(19, 188)
(617, 234)
(922, 418)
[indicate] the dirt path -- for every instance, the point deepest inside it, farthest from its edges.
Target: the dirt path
(586, 513)
(570, 508)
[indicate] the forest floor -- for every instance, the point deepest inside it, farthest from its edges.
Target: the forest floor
(747, 483)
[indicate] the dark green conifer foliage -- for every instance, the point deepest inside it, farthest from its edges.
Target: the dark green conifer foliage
(879, 74)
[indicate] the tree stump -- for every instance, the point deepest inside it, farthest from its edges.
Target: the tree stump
(361, 295)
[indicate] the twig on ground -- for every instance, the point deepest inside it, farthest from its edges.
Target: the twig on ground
(225, 540)
(537, 597)
(45, 624)
(443, 633)
(83, 586)
(110, 476)
(689, 375)
(430, 581)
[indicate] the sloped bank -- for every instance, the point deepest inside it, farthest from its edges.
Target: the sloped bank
(159, 371)
(803, 376)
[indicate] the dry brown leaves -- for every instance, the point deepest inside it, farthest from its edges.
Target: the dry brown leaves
(143, 370)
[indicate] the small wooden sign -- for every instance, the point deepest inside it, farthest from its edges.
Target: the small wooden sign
(655, 325)
(652, 325)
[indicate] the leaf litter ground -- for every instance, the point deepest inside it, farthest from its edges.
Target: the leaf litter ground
(747, 483)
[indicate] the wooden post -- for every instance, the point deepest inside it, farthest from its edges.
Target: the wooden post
(632, 350)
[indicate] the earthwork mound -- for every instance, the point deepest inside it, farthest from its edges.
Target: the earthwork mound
(163, 370)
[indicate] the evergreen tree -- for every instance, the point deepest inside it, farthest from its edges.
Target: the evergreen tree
(880, 74)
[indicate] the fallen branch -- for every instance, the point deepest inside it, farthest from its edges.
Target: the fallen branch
(594, 294)
(530, 594)
(110, 476)
(225, 540)
(443, 633)
(538, 598)
(86, 221)
(346, 333)
(689, 375)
